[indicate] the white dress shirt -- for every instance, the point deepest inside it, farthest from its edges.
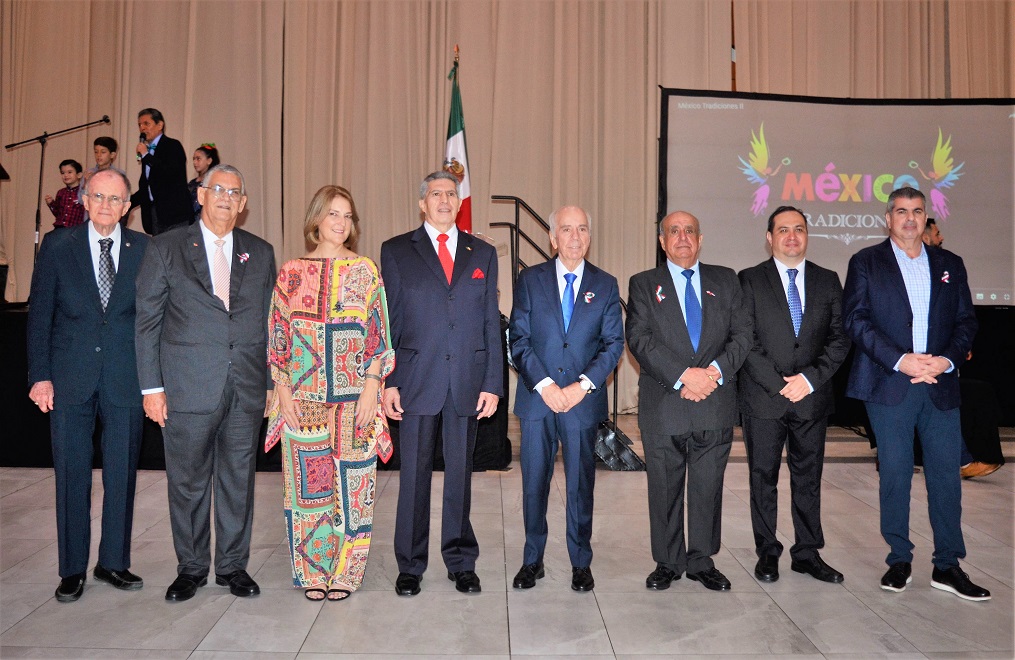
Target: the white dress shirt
(432, 232)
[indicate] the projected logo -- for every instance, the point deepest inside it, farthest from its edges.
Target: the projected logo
(942, 175)
(758, 170)
(837, 190)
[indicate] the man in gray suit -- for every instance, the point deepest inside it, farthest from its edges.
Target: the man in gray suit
(689, 330)
(202, 317)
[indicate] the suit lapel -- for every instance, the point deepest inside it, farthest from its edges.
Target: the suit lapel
(424, 247)
(238, 265)
(893, 273)
(130, 255)
(83, 255)
(779, 294)
(199, 256)
(463, 257)
(671, 306)
(548, 280)
(588, 284)
(936, 273)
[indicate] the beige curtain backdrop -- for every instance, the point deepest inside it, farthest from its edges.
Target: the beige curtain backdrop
(561, 98)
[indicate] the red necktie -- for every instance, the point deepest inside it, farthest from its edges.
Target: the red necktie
(445, 256)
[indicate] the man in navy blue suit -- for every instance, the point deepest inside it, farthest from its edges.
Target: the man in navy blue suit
(566, 337)
(81, 368)
(445, 326)
(908, 310)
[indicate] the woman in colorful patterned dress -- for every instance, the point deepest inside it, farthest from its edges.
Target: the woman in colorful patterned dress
(329, 352)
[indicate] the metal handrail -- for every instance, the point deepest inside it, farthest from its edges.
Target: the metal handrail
(517, 233)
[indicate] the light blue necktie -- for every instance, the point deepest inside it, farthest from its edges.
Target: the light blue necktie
(692, 309)
(796, 311)
(567, 303)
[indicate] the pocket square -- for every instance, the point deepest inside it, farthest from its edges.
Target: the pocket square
(478, 274)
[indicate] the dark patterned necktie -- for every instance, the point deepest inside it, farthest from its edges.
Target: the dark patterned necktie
(107, 271)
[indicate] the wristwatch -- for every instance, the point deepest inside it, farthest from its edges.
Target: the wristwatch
(585, 384)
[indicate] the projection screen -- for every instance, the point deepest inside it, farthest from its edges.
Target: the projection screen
(731, 159)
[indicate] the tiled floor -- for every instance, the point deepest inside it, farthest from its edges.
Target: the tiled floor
(796, 616)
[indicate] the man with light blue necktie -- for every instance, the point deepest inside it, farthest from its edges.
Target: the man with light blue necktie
(786, 391)
(689, 330)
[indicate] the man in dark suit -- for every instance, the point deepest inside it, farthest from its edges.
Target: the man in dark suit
(445, 326)
(690, 332)
(786, 391)
(162, 190)
(566, 337)
(908, 310)
(202, 319)
(81, 368)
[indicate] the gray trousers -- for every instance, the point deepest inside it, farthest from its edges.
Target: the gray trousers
(699, 460)
(202, 450)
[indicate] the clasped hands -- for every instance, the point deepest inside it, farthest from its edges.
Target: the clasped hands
(923, 367)
(560, 400)
(699, 383)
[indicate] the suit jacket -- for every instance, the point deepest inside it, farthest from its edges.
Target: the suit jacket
(71, 340)
(168, 185)
(658, 339)
(446, 336)
(817, 352)
(540, 347)
(879, 320)
(186, 340)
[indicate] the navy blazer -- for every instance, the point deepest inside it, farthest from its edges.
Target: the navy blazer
(817, 352)
(592, 344)
(71, 340)
(658, 338)
(879, 320)
(446, 336)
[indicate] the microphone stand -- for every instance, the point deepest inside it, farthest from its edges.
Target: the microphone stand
(42, 140)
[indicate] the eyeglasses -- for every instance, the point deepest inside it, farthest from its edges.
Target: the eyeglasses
(113, 200)
(233, 194)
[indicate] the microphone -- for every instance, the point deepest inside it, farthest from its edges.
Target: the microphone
(105, 119)
(140, 139)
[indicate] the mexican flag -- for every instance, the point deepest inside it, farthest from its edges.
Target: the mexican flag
(455, 160)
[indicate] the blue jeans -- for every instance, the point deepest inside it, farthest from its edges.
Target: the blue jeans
(941, 435)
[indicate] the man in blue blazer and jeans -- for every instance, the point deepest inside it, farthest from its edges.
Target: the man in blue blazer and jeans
(566, 337)
(908, 310)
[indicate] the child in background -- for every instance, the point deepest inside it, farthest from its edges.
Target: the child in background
(104, 148)
(67, 207)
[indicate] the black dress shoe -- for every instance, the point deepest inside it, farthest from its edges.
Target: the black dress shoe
(660, 578)
(711, 579)
(897, 577)
(466, 581)
(70, 588)
(120, 579)
(239, 583)
(955, 580)
(817, 569)
(581, 579)
(407, 584)
(767, 568)
(185, 586)
(527, 576)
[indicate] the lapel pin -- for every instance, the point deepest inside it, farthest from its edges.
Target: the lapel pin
(126, 245)
(243, 257)
(710, 293)
(944, 278)
(196, 245)
(659, 294)
(589, 296)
